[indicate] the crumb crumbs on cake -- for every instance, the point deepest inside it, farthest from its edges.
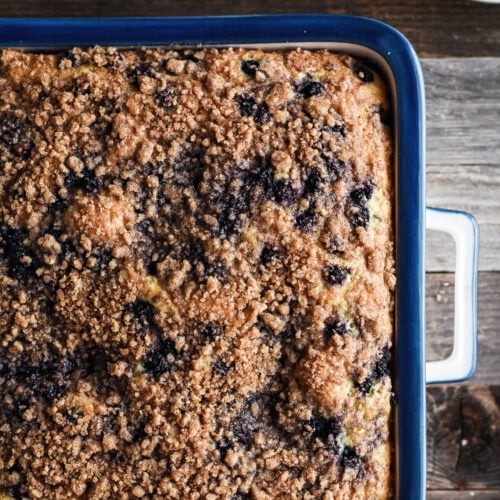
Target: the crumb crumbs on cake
(196, 275)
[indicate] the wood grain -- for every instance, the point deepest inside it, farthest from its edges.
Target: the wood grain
(476, 189)
(439, 324)
(463, 445)
(463, 105)
(462, 495)
(436, 28)
(463, 151)
(439, 28)
(463, 109)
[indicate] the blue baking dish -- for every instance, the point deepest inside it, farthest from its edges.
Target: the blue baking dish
(396, 58)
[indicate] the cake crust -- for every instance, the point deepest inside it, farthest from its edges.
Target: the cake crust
(196, 275)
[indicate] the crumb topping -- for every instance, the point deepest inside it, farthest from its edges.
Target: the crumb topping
(196, 275)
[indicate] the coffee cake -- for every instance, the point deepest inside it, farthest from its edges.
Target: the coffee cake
(197, 275)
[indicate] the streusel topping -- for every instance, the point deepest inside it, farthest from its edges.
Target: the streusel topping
(196, 275)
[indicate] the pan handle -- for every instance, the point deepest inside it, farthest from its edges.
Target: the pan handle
(461, 364)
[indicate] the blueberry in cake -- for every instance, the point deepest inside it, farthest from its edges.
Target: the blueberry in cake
(196, 275)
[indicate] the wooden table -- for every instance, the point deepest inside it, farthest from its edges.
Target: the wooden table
(459, 45)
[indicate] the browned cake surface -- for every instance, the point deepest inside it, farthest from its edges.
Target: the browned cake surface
(196, 275)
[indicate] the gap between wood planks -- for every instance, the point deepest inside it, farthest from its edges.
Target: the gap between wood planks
(475, 189)
(438, 29)
(463, 420)
(463, 495)
(463, 105)
(463, 152)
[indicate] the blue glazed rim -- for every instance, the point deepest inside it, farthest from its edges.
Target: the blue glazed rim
(297, 29)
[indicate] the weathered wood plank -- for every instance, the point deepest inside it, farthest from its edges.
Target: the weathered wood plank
(439, 323)
(463, 495)
(463, 134)
(475, 189)
(463, 437)
(437, 29)
(444, 28)
(463, 105)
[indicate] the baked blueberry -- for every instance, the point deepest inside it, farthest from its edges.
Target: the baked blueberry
(86, 180)
(164, 98)
(220, 367)
(339, 128)
(210, 331)
(359, 216)
(223, 446)
(307, 219)
(261, 176)
(250, 67)
(96, 361)
(349, 458)
(380, 369)
(45, 380)
(362, 194)
(161, 358)
(195, 252)
(365, 385)
(231, 207)
(21, 261)
(335, 274)
(247, 422)
(143, 311)
(242, 429)
(384, 115)
(283, 192)
(312, 183)
(188, 169)
(216, 268)
(334, 165)
(382, 365)
(248, 106)
(257, 179)
(262, 114)
(326, 429)
(310, 88)
(268, 254)
(58, 207)
(137, 432)
(69, 55)
(146, 227)
(363, 73)
(138, 70)
(15, 136)
(334, 326)
(358, 213)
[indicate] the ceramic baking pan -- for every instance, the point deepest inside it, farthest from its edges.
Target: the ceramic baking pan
(393, 54)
